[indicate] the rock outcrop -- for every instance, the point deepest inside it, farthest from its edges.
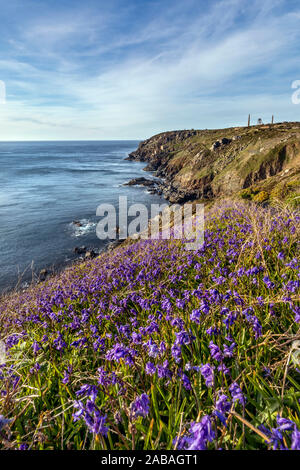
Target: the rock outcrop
(204, 164)
(141, 182)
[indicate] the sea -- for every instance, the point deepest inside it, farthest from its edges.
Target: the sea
(49, 193)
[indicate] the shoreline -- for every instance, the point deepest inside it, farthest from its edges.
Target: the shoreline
(51, 270)
(46, 274)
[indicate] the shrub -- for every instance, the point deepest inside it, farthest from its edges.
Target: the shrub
(262, 196)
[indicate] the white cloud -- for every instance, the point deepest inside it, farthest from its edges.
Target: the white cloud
(171, 74)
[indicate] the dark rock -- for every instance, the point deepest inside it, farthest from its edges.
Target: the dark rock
(80, 250)
(77, 223)
(216, 145)
(225, 141)
(219, 143)
(141, 182)
(90, 254)
(43, 274)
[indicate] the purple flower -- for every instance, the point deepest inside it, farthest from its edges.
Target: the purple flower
(180, 303)
(212, 331)
(36, 347)
(207, 372)
(4, 422)
(292, 286)
(105, 378)
(136, 338)
(253, 320)
(183, 337)
(178, 322)
(229, 320)
(222, 368)
(228, 350)
(276, 439)
(276, 434)
(67, 373)
(256, 326)
(162, 347)
(215, 352)
(223, 404)
(140, 406)
(295, 440)
(163, 370)
(79, 405)
(66, 377)
(236, 393)
(23, 446)
(153, 350)
(185, 380)
(35, 368)
(176, 352)
(119, 351)
(59, 342)
(284, 424)
(98, 425)
(150, 368)
(266, 371)
(200, 433)
(296, 310)
(195, 315)
(268, 282)
(90, 391)
(91, 416)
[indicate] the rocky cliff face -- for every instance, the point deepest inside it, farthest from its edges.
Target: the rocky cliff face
(203, 164)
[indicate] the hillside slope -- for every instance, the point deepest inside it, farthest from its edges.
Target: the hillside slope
(204, 164)
(154, 347)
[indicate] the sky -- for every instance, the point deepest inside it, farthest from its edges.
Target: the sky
(128, 69)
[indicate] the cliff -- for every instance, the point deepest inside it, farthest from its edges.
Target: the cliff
(206, 164)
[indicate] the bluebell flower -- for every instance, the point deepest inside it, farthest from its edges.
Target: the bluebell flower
(295, 439)
(150, 368)
(176, 352)
(163, 370)
(140, 406)
(4, 422)
(268, 282)
(23, 446)
(215, 351)
(200, 434)
(90, 391)
(36, 347)
(207, 372)
(284, 424)
(236, 393)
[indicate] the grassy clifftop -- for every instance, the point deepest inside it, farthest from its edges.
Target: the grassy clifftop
(237, 161)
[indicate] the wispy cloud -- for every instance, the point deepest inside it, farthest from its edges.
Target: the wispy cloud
(141, 67)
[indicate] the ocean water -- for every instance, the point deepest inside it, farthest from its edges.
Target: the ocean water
(44, 187)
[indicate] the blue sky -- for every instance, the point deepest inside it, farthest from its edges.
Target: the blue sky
(130, 69)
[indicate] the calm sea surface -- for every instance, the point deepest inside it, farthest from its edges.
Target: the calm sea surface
(45, 186)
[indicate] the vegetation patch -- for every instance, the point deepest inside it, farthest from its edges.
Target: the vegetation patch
(153, 346)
